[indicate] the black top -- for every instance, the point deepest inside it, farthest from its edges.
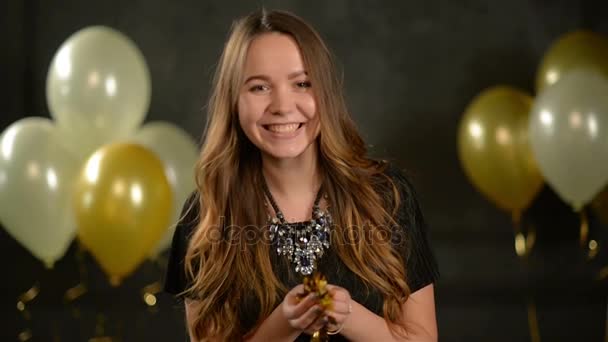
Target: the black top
(421, 267)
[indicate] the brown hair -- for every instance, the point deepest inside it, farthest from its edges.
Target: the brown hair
(228, 179)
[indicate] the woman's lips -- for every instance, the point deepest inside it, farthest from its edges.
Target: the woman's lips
(284, 130)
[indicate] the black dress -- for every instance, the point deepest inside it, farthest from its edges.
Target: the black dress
(421, 267)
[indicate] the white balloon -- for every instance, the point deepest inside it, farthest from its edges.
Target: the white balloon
(569, 135)
(178, 152)
(36, 179)
(97, 88)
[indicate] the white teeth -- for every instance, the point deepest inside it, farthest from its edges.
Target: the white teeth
(283, 128)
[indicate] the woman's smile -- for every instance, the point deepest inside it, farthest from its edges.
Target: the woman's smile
(289, 130)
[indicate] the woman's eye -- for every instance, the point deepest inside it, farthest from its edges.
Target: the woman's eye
(305, 84)
(257, 88)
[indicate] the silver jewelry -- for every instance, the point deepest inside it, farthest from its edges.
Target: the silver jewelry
(303, 243)
(337, 331)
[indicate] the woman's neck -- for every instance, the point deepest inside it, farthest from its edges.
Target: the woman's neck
(293, 182)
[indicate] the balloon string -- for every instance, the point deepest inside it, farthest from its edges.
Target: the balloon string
(150, 291)
(161, 262)
(584, 228)
(533, 321)
(25, 335)
(23, 299)
(76, 292)
(82, 267)
(56, 331)
(100, 333)
(602, 275)
(588, 244)
(80, 289)
(519, 238)
(524, 240)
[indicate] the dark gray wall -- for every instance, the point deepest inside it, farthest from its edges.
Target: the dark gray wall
(410, 69)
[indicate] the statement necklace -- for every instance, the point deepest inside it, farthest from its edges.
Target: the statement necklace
(302, 242)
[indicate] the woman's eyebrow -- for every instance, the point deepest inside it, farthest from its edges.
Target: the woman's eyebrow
(257, 77)
(296, 74)
(267, 79)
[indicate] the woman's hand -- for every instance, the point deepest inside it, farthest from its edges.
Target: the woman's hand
(303, 315)
(340, 309)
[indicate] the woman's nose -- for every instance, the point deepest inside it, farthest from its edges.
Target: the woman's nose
(282, 101)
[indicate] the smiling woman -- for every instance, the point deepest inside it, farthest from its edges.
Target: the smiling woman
(276, 105)
(285, 187)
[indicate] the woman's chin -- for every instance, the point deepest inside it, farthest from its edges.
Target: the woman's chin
(285, 153)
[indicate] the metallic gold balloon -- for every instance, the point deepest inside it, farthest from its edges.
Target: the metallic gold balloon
(569, 135)
(123, 205)
(97, 88)
(494, 150)
(178, 152)
(579, 49)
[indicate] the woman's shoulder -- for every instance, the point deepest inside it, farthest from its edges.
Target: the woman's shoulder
(402, 180)
(392, 177)
(176, 280)
(412, 240)
(190, 214)
(400, 176)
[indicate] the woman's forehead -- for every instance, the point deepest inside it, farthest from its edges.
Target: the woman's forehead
(273, 54)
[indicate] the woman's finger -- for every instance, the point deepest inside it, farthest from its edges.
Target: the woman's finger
(331, 288)
(317, 325)
(338, 318)
(305, 320)
(338, 293)
(293, 294)
(299, 309)
(341, 307)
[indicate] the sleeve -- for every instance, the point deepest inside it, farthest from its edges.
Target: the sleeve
(176, 280)
(420, 261)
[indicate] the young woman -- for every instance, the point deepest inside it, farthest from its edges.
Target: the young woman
(285, 189)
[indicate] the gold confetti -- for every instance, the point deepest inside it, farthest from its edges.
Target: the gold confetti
(317, 284)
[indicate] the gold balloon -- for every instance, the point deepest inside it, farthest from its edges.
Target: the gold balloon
(123, 205)
(494, 150)
(600, 205)
(575, 50)
(178, 152)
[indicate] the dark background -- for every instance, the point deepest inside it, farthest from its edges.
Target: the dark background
(410, 69)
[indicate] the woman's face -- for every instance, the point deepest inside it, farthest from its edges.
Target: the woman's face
(276, 106)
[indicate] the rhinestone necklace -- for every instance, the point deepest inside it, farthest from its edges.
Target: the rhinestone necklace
(302, 242)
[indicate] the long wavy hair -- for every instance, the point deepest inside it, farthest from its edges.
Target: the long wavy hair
(231, 201)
